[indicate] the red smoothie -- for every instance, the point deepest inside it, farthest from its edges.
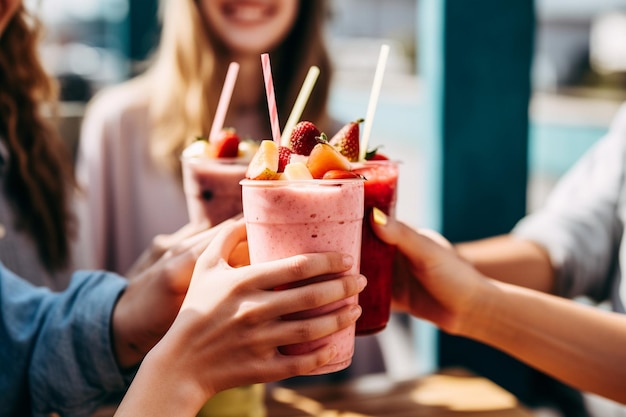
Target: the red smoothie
(376, 256)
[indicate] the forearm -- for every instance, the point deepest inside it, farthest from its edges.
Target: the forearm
(508, 259)
(159, 390)
(577, 344)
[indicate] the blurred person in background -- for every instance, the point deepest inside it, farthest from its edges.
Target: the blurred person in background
(36, 174)
(38, 225)
(578, 344)
(133, 134)
(573, 246)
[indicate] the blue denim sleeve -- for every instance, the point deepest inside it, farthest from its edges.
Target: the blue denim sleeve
(56, 349)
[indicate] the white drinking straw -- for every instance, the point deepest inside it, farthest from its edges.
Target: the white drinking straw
(298, 107)
(371, 108)
(224, 102)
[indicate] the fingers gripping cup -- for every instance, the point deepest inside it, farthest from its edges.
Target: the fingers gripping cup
(213, 194)
(286, 218)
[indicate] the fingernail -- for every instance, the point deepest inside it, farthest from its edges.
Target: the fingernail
(333, 350)
(379, 217)
(362, 281)
(348, 261)
(355, 312)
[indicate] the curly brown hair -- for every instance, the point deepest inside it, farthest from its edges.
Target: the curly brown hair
(39, 176)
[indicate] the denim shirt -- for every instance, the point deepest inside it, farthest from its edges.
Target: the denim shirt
(56, 352)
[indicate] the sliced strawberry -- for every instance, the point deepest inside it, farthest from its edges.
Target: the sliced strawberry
(284, 154)
(346, 140)
(325, 157)
(340, 174)
(225, 145)
(304, 136)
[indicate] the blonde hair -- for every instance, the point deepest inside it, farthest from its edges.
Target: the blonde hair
(39, 172)
(190, 67)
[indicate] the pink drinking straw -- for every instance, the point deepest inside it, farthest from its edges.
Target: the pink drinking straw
(222, 105)
(271, 98)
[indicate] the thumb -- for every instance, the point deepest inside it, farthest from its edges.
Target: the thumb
(387, 228)
(409, 241)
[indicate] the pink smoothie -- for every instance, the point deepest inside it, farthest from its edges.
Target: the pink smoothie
(212, 187)
(286, 218)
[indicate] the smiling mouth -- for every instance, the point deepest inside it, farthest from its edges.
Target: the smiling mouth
(247, 12)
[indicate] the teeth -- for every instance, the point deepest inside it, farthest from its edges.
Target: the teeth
(247, 12)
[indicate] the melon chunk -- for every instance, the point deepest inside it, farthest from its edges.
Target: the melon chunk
(264, 164)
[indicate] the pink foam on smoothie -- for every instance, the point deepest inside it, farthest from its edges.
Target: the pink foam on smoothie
(286, 218)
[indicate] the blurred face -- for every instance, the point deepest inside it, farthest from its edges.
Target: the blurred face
(7, 11)
(250, 26)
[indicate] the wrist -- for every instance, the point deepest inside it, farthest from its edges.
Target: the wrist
(128, 352)
(478, 317)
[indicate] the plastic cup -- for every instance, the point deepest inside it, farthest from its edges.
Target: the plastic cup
(376, 256)
(211, 187)
(246, 401)
(286, 218)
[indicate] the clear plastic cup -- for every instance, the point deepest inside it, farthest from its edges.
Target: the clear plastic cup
(376, 256)
(211, 187)
(286, 218)
(246, 401)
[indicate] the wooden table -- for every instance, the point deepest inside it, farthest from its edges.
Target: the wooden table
(449, 393)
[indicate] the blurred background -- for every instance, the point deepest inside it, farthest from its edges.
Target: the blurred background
(578, 71)
(564, 66)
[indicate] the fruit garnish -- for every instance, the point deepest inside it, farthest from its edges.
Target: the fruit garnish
(340, 174)
(304, 136)
(374, 155)
(297, 171)
(247, 148)
(264, 164)
(197, 148)
(325, 157)
(346, 140)
(378, 157)
(297, 158)
(284, 156)
(225, 145)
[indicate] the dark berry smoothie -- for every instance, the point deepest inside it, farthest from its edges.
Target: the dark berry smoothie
(376, 256)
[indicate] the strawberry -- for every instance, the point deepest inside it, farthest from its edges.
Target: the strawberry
(340, 174)
(304, 136)
(378, 157)
(346, 140)
(225, 145)
(284, 154)
(374, 155)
